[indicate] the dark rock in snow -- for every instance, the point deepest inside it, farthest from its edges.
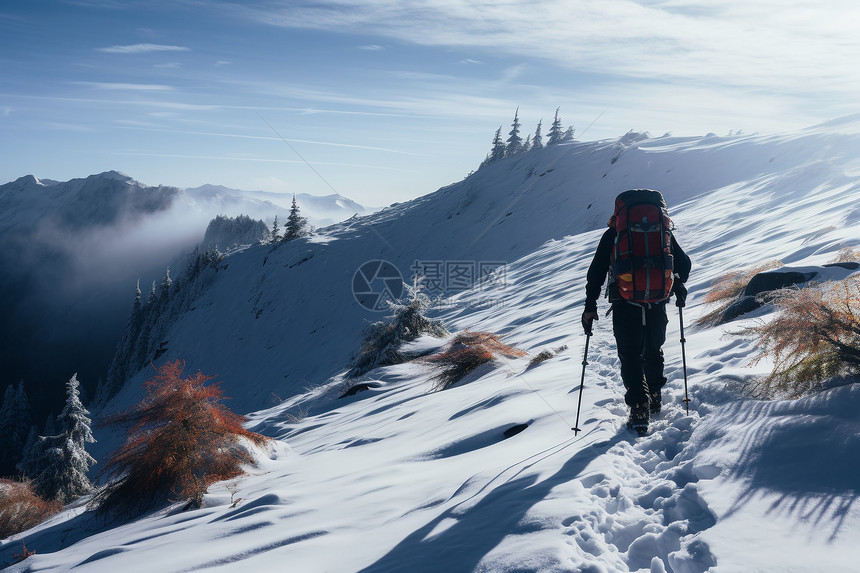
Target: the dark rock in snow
(353, 390)
(775, 280)
(514, 430)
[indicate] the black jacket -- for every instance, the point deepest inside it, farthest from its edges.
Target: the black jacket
(600, 266)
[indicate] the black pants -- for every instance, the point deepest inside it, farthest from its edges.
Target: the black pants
(640, 348)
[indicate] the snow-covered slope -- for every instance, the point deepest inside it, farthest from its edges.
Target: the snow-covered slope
(400, 478)
(270, 306)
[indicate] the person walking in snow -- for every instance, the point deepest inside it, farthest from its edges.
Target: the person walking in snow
(646, 266)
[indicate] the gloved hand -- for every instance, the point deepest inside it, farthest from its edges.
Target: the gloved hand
(680, 292)
(587, 318)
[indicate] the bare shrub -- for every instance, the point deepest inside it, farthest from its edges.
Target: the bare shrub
(180, 440)
(382, 340)
(729, 288)
(465, 353)
(545, 355)
(21, 508)
(847, 255)
(541, 356)
(814, 337)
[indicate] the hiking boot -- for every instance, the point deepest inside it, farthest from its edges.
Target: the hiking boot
(656, 402)
(638, 421)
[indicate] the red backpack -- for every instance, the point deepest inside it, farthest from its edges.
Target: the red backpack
(642, 261)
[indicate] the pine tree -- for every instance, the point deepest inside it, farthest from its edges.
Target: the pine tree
(15, 422)
(555, 132)
(568, 135)
(164, 290)
(498, 151)
(296, 224)
(193, 268)
(137, 306)
(515, 142)
(528, 144)
(29, 448)
(60, 462)
(537, 140)
(276, 231)
(50, 425)
(124, 359)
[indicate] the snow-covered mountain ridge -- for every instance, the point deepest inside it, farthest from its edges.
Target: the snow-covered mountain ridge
(399, 478)
(321, 211)
(105, 198)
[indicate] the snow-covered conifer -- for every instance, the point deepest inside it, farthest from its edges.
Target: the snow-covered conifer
(29, 447)
(50, 425)
(515, 142)
(555, 132)
(276, 231)
(537, 140)
(15, 422)
(164, 290)
(498, 151)
(296, 224)
(527, 145)
(60, 464)
(568, 134)
(137, 307)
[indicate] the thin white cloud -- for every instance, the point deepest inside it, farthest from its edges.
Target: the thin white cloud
(126, 86)
(168, 65)
(255, 159)
(142, 49)
(512, 73)
(135, 123)
(372, 48)
(769, 44)
(223, 63)
(146, 127)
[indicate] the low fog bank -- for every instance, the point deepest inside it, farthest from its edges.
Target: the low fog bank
(71, 255)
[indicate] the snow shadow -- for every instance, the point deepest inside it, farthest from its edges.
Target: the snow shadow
(806, 456)
(475, 531)
(57, 537)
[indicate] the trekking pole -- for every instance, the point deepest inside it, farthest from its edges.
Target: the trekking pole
(684, 358)
(575, 427)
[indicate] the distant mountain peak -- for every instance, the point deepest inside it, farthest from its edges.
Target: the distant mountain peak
(116, 175)
(28, 180)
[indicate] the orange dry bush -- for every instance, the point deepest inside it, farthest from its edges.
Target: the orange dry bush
(729, 288)
(21, 508)
(465, 353)
(815, 337)
(180, 440)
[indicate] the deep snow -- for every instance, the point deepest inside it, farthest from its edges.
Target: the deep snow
(400, 478)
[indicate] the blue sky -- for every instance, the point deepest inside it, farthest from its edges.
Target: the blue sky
(391, 100)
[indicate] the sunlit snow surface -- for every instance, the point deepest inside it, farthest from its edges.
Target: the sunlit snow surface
(401, 478)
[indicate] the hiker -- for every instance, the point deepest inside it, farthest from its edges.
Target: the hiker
(646, 266)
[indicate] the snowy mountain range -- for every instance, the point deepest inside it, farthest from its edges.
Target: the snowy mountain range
(321, 211)
(400, 477)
